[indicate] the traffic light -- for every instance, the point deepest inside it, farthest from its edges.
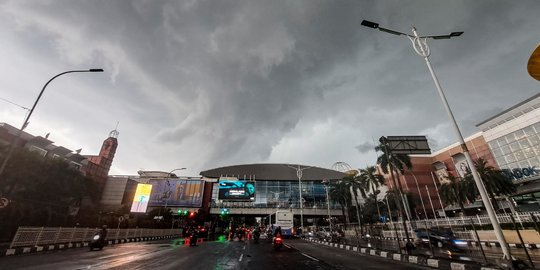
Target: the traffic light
(192, 214)
(182, 212)
(224, 212)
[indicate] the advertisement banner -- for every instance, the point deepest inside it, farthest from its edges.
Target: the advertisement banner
(236, 190)
(177, 192)
(442, 176)
(140, 200)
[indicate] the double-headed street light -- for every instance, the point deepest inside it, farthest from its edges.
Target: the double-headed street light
(421, 48)
(326, 182)
(25, 123)
(167, 194)
(299, 171)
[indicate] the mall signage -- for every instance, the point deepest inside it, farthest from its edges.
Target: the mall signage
(521, 173)
(236, 190)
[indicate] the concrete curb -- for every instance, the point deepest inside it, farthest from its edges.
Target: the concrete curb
(412, 259)
(483, 243)
(35, 249)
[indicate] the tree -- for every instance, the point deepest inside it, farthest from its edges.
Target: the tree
(457, 191)
(390, 196)
(42, 191)
(494, 180)
(341, 193)
(357, 184)
(398, 163)
(374, 180)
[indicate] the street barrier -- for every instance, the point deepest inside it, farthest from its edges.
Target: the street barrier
(39, 236)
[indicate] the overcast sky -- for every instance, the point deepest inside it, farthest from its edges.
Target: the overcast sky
(203, 84)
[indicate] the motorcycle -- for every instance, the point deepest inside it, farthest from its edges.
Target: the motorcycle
(278, 243)
(193, 239)
(97, 242)
(256, 236)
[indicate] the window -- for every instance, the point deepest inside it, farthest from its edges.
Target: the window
(497, 152)
(510, 138)
(493, 144)
(501, 141)
(519, 155)
(534, 140)
(40, 151)
(510, 158)
(529, 131)
(514, 146)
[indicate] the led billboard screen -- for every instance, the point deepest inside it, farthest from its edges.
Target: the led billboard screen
(177, 192)
(236, 191)
(141, 198)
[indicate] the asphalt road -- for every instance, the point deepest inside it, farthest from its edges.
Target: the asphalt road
(218, 255)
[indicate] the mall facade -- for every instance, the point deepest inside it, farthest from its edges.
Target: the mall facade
(276, 187)
(513, 137)
(509, 141)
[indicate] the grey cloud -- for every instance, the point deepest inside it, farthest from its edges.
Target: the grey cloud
(365, 147)
(227, 81)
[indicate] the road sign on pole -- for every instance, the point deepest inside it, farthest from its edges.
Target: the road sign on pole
(4, 202)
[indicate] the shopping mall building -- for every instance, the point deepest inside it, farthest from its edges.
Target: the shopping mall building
(509, 141)
(276, 188)
(253, 190)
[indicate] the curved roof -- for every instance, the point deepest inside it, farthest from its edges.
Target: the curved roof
(274, 172)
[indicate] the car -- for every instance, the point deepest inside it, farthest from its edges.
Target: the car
(440, 238)
(323, 233)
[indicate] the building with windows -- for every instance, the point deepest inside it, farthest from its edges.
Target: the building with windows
(94, 166)
(513, 137)
(41, 145)
(509, 141)
(430, 171)
(276, 187)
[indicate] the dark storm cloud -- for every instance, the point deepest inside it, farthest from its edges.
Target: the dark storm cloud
(209, 83)
(365, 147)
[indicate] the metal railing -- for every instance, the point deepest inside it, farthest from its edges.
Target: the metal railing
(37, 236)
(520, 217)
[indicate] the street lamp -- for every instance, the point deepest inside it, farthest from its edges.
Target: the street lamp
(421, 47)
(167, 194)
(25, 123)
(299, 171)
(326, 182)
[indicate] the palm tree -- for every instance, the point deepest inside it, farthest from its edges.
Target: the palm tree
(457, 191)
(341, 193)
(356, 183)
(398, 163)
(374, 181)
(494, 180)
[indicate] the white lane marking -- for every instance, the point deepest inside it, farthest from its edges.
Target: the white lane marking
(309, 257)
(244, 248)
(115, 255)
(241, 256)
(287, 246)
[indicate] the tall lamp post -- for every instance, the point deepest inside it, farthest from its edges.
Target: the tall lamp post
(299, 171)
(167, 194)
(25, 123)
(421, 47)
(326, 182)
